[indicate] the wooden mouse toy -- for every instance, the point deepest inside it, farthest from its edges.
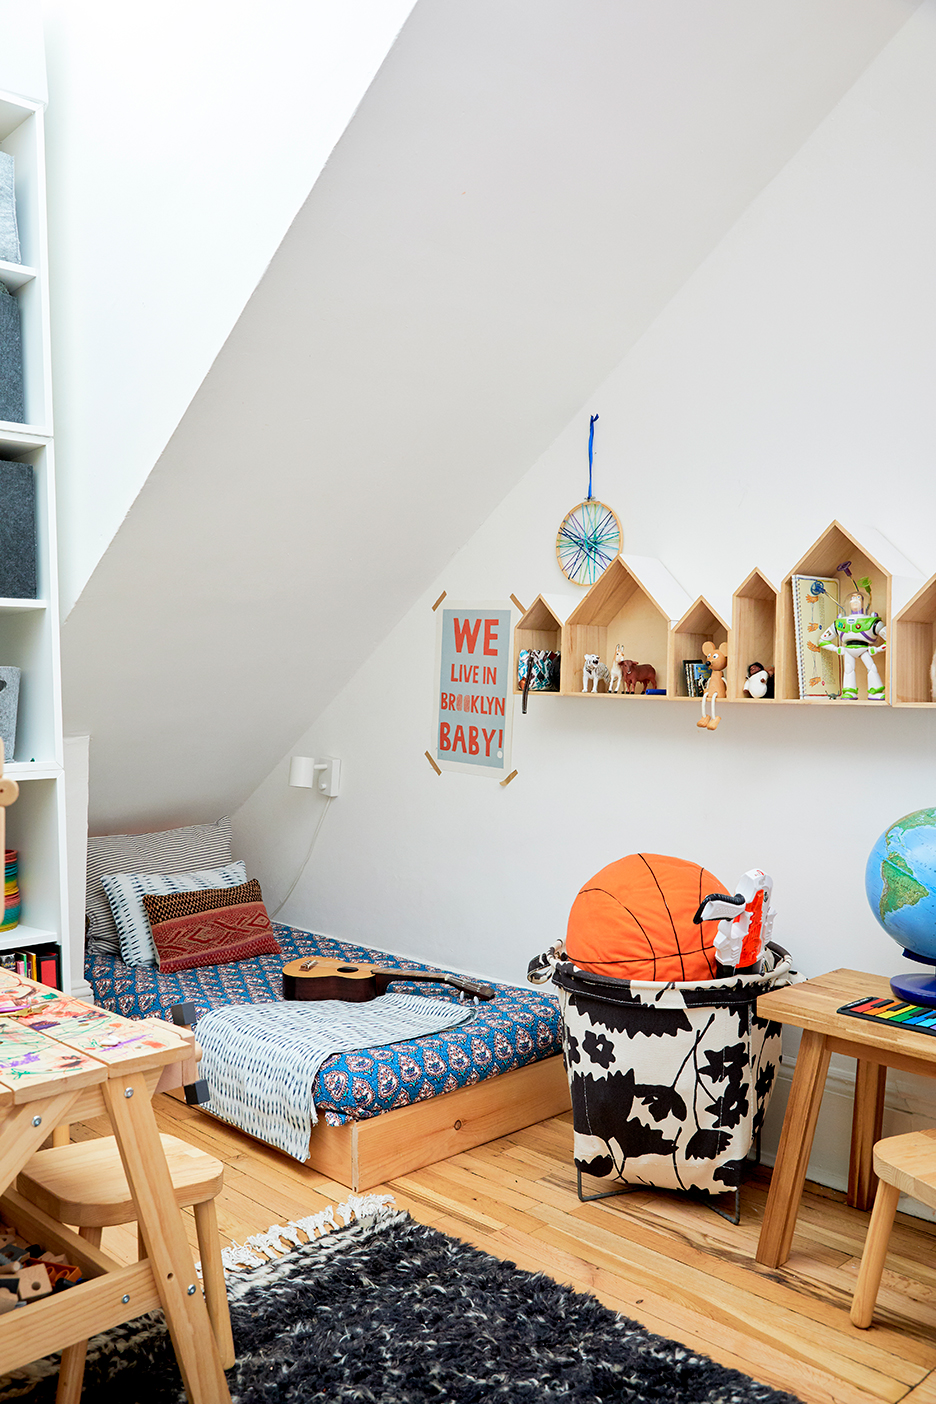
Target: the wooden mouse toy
(717, 659)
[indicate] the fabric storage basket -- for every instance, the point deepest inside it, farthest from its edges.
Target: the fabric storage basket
(669, 1082)
(538, 669)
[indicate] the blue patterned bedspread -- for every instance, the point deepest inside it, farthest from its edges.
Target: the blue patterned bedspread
(517, 1027)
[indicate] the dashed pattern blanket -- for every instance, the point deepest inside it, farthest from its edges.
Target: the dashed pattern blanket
(260, 1061)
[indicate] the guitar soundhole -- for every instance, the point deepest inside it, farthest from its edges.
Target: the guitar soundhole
(348, 969)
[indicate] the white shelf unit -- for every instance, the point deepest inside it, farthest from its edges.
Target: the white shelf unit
(29, 629)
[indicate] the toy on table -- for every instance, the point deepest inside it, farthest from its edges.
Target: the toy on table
(594, 671)
(920, 1018)
(717, 659)
(858, 632)
(746, 921)
(759, 681)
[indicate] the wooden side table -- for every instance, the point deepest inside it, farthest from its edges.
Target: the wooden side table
(62, 1060)
(812, 1007)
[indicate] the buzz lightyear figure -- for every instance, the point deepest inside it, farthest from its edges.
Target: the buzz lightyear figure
(857, 633)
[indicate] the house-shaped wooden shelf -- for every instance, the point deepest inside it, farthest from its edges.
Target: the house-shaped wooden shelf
(753, 632)
(821, 561)
(911, 642)
(633, 604)
(541, 627)
(699, 625)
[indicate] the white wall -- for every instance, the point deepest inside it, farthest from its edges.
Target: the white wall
(181, 141)
(519, 194)
(22, 52)
(788, 383)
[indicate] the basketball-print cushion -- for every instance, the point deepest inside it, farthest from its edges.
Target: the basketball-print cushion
(633, 920)
(209, 927)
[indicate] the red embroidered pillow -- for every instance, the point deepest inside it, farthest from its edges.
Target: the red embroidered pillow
(212, 926)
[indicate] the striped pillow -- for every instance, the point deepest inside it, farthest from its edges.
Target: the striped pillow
(125, 894)
(172, 851)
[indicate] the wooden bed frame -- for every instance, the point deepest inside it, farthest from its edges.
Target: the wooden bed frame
(362, 1154)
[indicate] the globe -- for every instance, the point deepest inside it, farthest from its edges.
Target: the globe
(900, 881)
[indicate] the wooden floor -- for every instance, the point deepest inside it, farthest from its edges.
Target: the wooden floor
(673, 1265)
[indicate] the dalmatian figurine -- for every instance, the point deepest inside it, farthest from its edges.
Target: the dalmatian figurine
(594, 671)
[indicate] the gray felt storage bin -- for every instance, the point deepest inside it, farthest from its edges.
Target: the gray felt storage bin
(9, 234)
(9, 699)
(18, 577)
(12, 403)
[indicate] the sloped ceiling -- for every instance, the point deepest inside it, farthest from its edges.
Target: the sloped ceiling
(522, 190)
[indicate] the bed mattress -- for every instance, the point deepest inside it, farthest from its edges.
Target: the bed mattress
(517, 1027)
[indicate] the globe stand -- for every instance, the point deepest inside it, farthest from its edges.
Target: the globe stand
(916, 989)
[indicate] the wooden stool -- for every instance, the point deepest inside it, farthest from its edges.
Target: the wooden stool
(903, 1164)
(85, 1184)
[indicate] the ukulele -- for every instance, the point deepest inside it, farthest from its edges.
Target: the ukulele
(315, 977)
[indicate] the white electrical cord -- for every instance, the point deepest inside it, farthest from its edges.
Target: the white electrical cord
(305, 861)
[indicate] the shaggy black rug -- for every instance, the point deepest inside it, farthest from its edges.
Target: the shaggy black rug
(386, 1311)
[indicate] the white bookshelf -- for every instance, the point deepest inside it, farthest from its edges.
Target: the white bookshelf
(29, 629)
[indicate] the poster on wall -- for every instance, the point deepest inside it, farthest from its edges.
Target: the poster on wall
(473, 708)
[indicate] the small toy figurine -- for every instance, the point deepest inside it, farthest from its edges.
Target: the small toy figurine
(635, 673)
(746, 922)
(617, 669)
(717, 659)
(858, 632)
(759, 681)
(594, 670)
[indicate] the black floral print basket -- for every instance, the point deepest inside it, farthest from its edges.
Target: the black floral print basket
(670, 1082)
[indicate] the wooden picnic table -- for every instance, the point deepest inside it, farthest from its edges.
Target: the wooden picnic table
(62, 1060)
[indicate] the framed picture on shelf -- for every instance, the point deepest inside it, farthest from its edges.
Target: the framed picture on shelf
(815, 607)
(697, 673)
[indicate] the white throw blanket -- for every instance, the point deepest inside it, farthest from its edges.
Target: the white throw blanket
(260, 1060)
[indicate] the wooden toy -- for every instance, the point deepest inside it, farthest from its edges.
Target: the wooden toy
(717, 659)
(34, 1282)
(634, 673)
(8, 1300)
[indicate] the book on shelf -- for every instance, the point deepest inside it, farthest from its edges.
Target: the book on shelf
(42, 963)
(697, 673)
(815, 607)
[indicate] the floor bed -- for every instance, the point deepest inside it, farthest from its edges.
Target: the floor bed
(384, 1111)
